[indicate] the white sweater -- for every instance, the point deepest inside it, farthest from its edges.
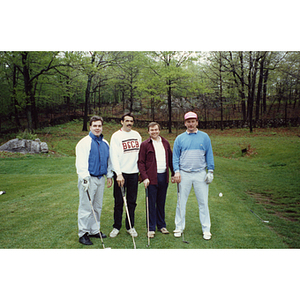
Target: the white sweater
(124, 151)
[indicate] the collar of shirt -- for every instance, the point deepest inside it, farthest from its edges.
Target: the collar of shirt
(192, 132)
(158, 139)
(96, 138)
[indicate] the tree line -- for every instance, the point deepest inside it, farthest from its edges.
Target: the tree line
(218, 85)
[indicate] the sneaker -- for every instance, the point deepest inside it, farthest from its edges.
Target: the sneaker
(85, 240)
(132, 232)
(207, 235)
(151, 234)
(177, 233)
(164, 230)
(114, 233)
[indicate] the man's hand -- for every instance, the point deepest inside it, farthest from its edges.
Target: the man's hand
(146, 182)
(209, 177)
(120, 180)
(85, 183)
(109, 182)
(177, 177)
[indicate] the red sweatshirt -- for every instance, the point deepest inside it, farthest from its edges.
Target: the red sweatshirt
(147, 160)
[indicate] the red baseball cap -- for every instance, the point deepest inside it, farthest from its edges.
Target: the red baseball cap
(190, 115)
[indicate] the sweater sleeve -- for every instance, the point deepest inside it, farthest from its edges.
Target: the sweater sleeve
(109, 168)
(170, 158)
(209, 156)
(176, 155)
(113, 153)
(82, 157)
(142, 161)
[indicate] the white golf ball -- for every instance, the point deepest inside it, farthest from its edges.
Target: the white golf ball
(220, 195)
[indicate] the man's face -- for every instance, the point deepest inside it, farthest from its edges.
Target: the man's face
(127, 123)
(96, 128)
(154, 132)
(191, 125)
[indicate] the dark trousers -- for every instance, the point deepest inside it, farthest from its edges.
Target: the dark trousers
(131, 188)
(157, 199)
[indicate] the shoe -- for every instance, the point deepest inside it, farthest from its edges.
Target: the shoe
(97, 235)
(85, 240)
(151, 234)
(164, 230)
(132, 232)
(207, 235)
(177, 233)
(114, 233)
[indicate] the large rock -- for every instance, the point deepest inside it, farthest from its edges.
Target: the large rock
(25, 146)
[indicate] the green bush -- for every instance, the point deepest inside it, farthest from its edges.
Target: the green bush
(26, 135)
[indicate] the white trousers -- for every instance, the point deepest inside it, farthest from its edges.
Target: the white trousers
(86, 220)
(195, 179)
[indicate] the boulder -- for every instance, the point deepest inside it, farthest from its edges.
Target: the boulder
(25, 146)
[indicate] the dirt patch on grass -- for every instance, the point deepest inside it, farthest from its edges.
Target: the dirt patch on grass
(273, 207)
(261, 198)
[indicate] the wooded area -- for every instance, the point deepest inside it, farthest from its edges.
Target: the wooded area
(226, 88)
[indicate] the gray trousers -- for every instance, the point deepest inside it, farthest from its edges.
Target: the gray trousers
(86, 220)
(195, 179)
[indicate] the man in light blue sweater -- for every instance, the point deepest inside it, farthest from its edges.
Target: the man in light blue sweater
(192, 156)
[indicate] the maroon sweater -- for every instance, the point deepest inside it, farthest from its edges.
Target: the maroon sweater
(147, 160)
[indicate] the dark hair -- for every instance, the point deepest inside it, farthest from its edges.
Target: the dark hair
(127, 115)
(152, 124)
(96, 118)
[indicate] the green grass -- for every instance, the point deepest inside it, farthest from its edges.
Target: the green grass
(39, 210)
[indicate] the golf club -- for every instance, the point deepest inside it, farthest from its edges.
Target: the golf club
(259, 217)
(2, 192)
(96, 219)
(178, 197)
(147, 211)
(127, 212)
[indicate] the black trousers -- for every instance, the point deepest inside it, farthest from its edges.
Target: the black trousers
(157, 199)
(131, 188)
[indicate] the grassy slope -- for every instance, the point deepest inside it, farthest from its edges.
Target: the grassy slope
(40, 207)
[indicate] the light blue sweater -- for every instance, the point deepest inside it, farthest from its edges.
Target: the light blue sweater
(192, 152)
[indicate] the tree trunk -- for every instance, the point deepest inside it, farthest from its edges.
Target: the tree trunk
(243, 96)
(87, 96)
(28, 91)
(14, 97)
(259, 89)
(86, 103)
(170, 106)
(264, 105)
(221, 90)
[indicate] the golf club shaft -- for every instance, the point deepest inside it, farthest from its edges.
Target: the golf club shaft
(259, 217)
(178, 199)
(147, 208)
(95, 217)
(127, 213)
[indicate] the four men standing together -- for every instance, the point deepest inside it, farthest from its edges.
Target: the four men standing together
(125, 158)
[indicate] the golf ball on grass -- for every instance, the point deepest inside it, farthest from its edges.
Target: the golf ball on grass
(220, 195)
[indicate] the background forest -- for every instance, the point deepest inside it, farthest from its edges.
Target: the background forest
(38, 89)
(226, 88)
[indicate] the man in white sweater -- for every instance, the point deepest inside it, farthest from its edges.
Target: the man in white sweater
(124, 151)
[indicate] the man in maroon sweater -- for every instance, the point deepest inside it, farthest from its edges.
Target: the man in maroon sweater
(155, 160)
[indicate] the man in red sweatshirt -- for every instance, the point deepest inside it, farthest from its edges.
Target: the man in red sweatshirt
(155, 160)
